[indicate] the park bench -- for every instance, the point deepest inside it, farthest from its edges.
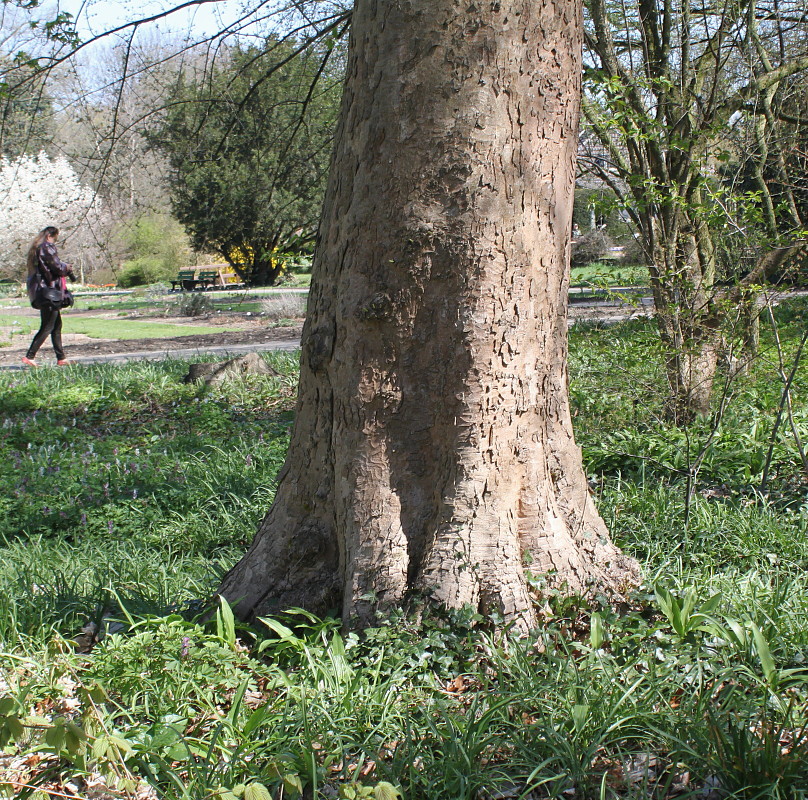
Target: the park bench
(230, 279)
(211, 276)
(224, 278)
(185, 280)
(208, 277)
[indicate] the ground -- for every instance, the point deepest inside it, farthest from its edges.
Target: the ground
(242, 328)
(79, 345)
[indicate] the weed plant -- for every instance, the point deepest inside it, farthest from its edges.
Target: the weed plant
(191, 304)
(127, 493)
(284, 306)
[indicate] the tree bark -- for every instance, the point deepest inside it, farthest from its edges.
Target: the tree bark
(688, 317)
(433, 455)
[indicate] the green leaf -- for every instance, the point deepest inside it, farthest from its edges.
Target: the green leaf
(710, 605)
(669, 607)
(277, 627)
(97, 693)
(580, 714)
(55, 736)
(731, 631)
(255, 720)
(764, 654)
(301, 612)
(256, 791)
(124, 747)
(292, 783)
(8, 706)
(226, 623)
(596, 632)
(100, 746)
(386, 791)
(14, 728)
(235, 704)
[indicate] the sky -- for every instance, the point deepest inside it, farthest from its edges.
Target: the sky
(197, 21)
(96, 16)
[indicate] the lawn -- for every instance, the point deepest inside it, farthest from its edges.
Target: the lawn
(127, 493)
(609, 273)
(97, 328)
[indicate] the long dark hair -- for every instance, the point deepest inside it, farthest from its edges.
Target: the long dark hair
(33, 257)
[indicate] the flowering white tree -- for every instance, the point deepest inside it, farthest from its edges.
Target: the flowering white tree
(36, 191)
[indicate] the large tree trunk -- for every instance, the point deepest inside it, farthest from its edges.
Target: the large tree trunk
(432, 454)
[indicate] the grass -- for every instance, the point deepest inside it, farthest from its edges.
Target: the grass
(127, 493)
(276, 307)
(118, 328)
(609, 273)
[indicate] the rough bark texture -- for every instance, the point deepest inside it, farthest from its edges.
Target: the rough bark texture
(433, 453)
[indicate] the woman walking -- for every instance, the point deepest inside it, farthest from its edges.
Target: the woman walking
(46, 271)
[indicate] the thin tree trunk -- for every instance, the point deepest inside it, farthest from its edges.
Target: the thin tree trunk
(433, 454)
(752, 305)
(690, 367)
(689, 327)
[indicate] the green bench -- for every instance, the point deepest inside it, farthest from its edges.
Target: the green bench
(185, 280)
(215, 275)
(208, 277)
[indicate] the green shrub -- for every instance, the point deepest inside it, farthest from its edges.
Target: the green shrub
(590, 247)
(158, 248)
(143, 271)
(191, 304)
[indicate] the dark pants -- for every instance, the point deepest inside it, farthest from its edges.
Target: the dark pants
(51, 325)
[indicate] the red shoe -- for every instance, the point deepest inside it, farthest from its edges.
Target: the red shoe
(29, 362)
(62, 362)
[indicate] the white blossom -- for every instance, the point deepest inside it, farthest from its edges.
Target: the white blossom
(37, 191)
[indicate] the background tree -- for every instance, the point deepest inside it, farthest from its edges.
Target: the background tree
(157, 248)
(249, 149)
(26, 114)
(432, 454)
(35, 192)
(110, 105)
(665, 83)
(106, 96)
(26, 124)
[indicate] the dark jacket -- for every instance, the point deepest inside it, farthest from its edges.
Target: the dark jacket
(50, 270)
